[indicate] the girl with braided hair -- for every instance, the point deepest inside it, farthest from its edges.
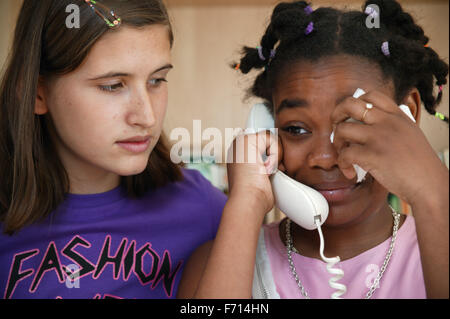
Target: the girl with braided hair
(310, 64)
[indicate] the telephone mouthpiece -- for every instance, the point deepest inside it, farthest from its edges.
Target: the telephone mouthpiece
(302, 204)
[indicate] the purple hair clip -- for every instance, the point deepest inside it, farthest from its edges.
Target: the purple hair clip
(308, 10)
(309, 28)
(273, 52)
(260, 53)
(385, 49)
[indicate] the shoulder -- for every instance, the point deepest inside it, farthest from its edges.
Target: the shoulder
(194, 178)
(200, 187)
(193, 189)
(193, 185)
(408, 229)
(197, 195)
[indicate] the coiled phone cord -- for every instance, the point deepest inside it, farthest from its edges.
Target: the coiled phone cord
(336, 272)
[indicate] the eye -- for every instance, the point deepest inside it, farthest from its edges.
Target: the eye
(111, 88)
(157, 82)
(294, 130)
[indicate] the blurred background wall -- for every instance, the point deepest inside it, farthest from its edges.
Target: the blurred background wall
(208, 37)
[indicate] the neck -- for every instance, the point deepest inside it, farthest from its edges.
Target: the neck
(85, 186)
(85, 178)
(347, 241)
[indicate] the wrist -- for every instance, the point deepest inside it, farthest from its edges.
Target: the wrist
(435, 194)
(249, 201)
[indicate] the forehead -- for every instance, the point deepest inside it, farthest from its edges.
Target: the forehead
(328, 80)
(130, 49)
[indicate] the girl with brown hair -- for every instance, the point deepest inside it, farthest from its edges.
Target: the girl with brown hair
(91, 205)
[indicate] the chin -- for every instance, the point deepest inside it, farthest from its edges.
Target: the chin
(131, 169)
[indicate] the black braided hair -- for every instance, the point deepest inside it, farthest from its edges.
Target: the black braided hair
(411, 62)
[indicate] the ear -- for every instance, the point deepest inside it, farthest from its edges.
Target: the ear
(40, 107)
(412, 100)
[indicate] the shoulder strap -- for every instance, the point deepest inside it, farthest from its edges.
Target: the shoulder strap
(263, 283)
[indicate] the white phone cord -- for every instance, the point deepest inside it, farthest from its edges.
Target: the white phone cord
(338, 273)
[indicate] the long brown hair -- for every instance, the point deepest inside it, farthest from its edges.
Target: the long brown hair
(34, 181)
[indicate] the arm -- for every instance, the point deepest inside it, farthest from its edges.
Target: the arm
(406, 166)
(224, 268)
(431, 214)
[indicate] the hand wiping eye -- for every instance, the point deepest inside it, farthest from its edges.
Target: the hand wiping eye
(361, 173)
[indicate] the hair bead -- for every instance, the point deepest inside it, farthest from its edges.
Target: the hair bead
(260, 53)
(308, 10)
(309, 28)
(385, 49)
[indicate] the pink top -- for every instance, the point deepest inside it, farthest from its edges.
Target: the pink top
(403, 277)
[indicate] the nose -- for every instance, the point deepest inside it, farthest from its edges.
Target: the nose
(141, 112)
(322, 154)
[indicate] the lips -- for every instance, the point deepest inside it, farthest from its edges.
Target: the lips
(337, 191)
(136, 144)
(136, 139)
(327, 186)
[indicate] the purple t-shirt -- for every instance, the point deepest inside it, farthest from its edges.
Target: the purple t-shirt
(110, 246)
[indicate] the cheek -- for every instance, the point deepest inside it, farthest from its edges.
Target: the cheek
(159, 103)
(294, 155)
(80, 121)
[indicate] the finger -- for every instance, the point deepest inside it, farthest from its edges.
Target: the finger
(244, 149)
(348, 132)
(274, 152)
(348, 108)
(351, 107)
(381, 101)
(388, 105)
(353, 154)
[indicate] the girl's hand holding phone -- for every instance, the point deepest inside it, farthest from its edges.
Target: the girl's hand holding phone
(248, 172)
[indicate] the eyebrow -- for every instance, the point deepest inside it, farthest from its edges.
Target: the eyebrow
(291, 103)
(295, 103)
(114, 74)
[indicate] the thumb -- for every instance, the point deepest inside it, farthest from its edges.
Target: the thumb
(274, 152)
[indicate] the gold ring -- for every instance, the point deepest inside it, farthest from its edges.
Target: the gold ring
(369, 106)
(364, 115)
